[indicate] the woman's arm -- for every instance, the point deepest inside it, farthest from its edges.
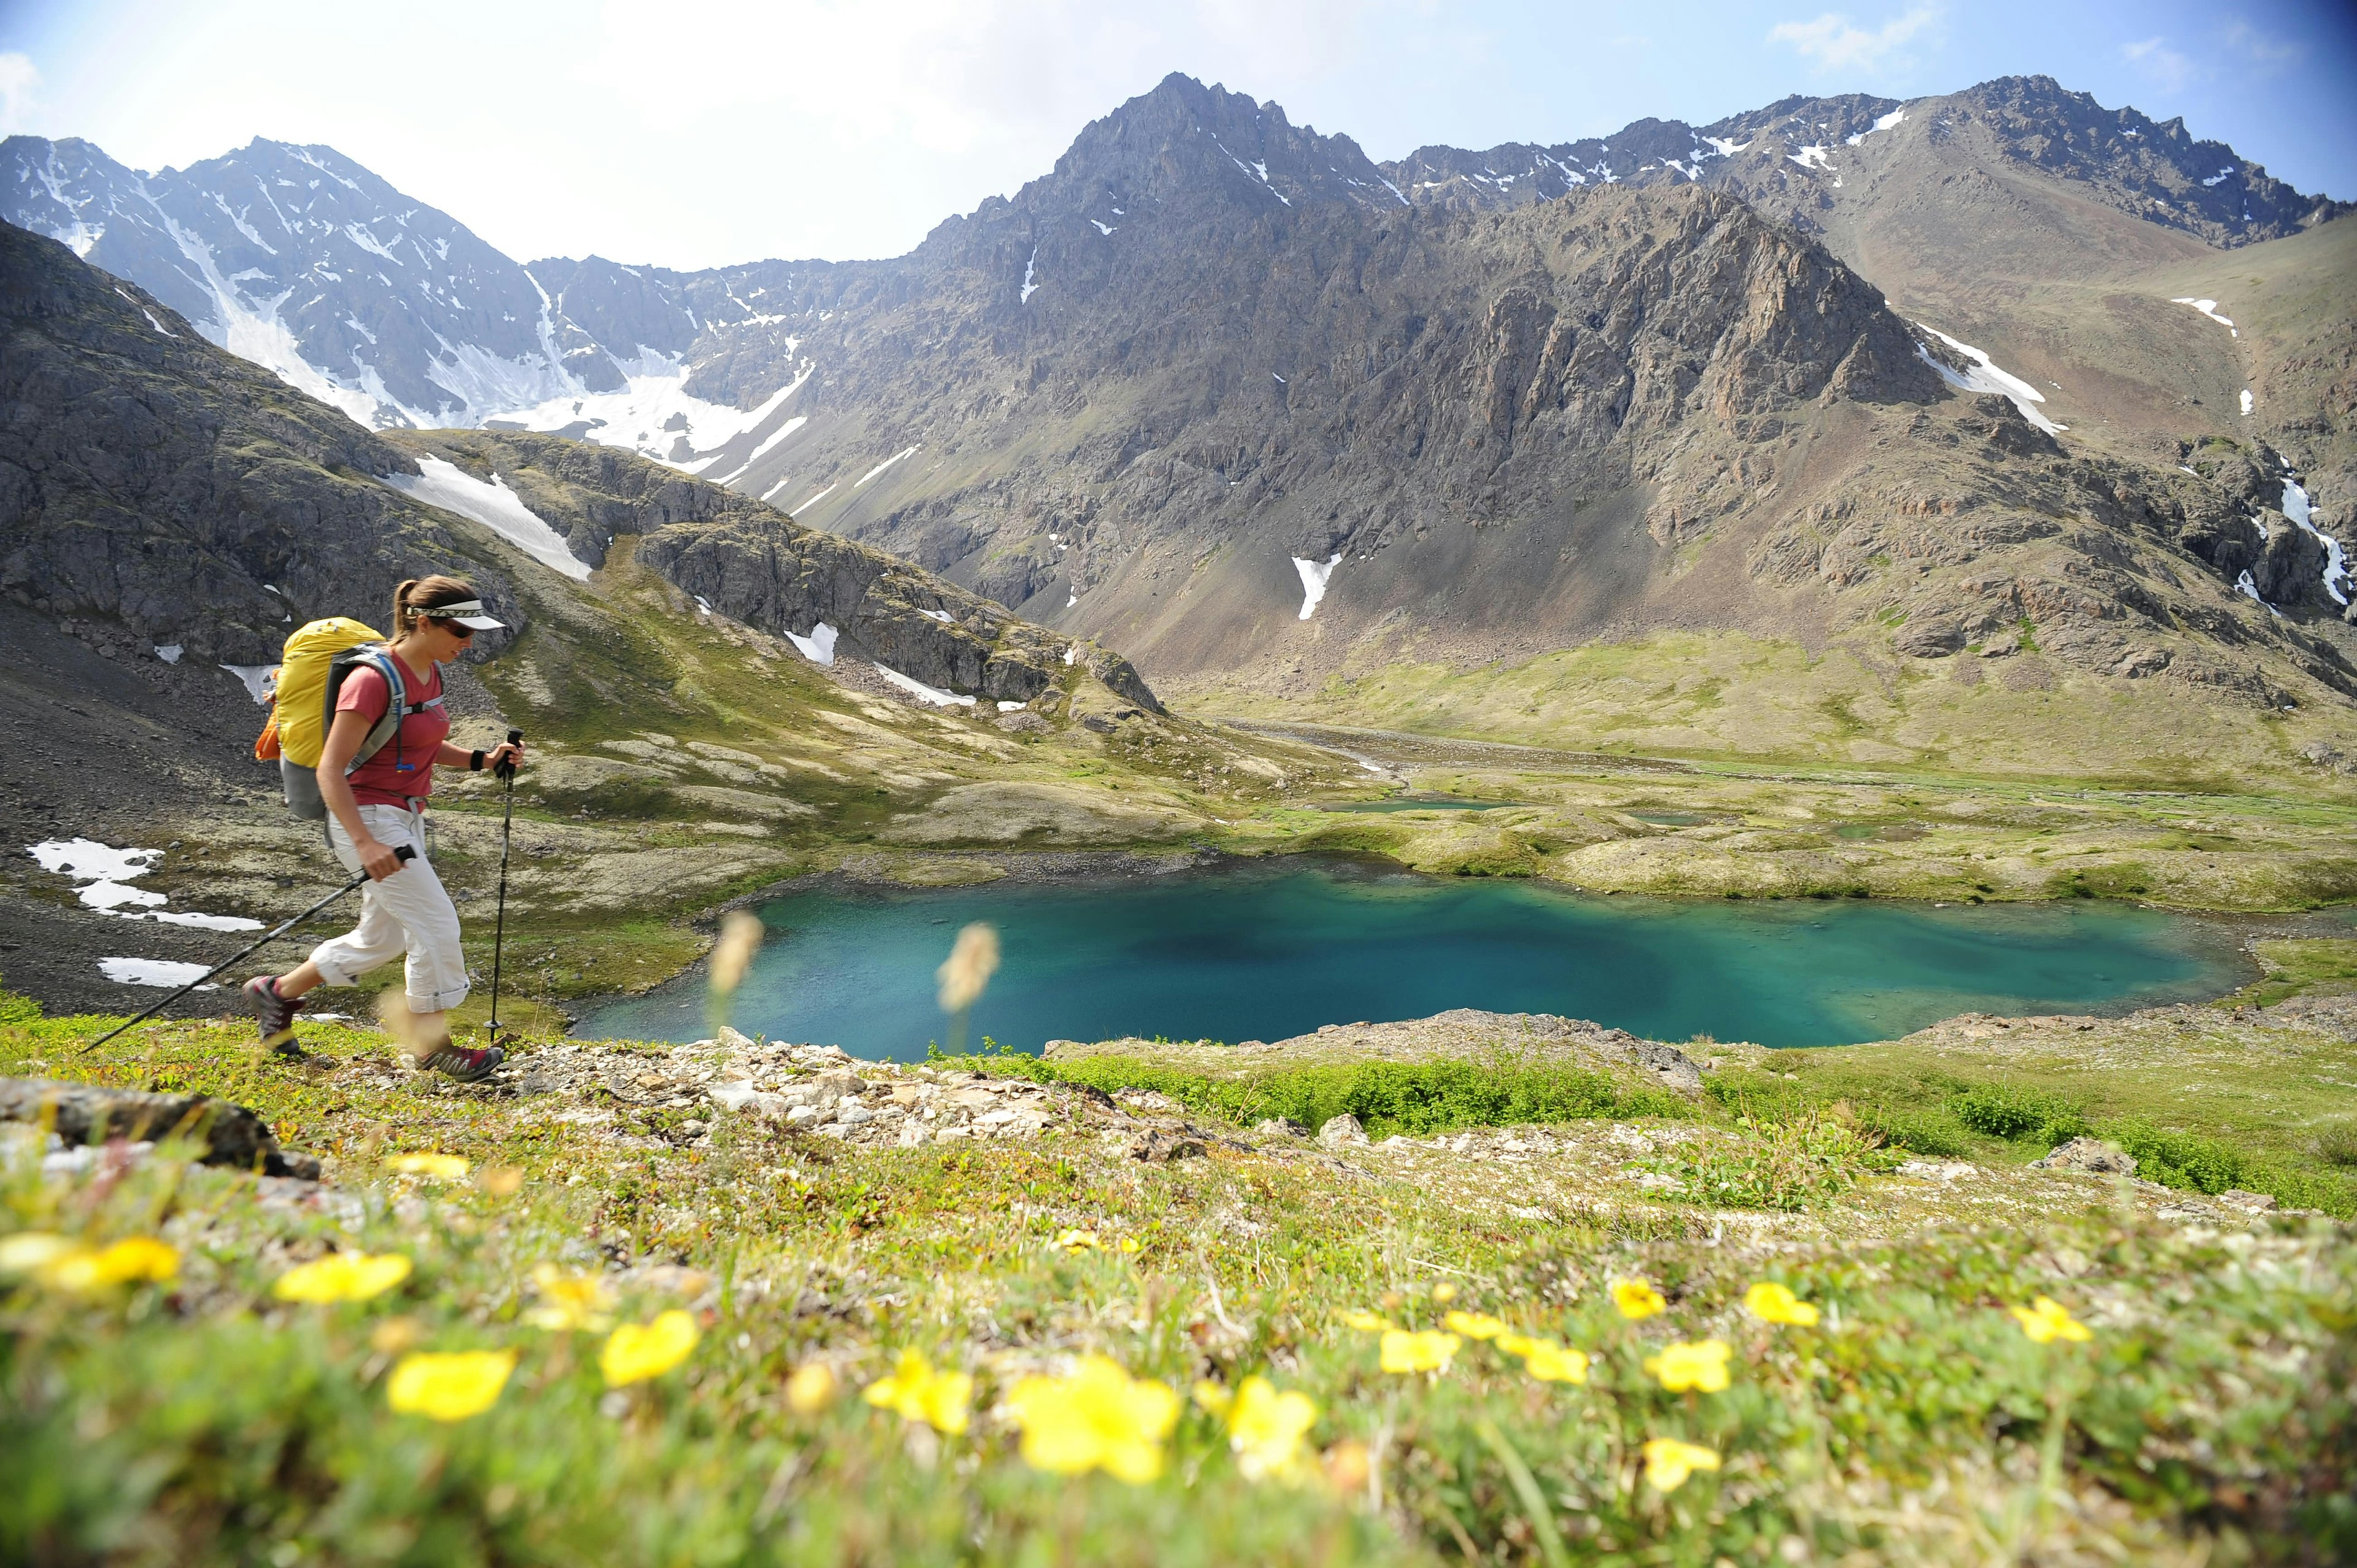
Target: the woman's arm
(460, 756)
(344, 737)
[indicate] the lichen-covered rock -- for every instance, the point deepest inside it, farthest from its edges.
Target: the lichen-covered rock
(1342, 1132)
(83, 1113)
(2090, 1155)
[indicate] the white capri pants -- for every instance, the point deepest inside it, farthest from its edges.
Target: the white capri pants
(407, 912)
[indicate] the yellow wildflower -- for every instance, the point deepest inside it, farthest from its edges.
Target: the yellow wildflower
(1265, 1429)
(448, 1386)
(1554, 1363)
(1772, 1303)
(635, 1352)
(1213, 1397)
(1636, 1299)
(1475, 1324)
(1129, 1243)
(973, 959)
(1079, 1242)
(395, 1335)
(1699, 1365)
(811, 1387)
(1406, 1352)
(341, 1276)
(441, 1167)
(1098, 1418)
(917, 1393)
(1366, 1322)
(133, 1258)
(1669, 1462)
(1443, 1293)
(30, 1252)
(2046, 1320)
(570, 1301)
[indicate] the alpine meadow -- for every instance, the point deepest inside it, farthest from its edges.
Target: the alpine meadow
(1636, 849)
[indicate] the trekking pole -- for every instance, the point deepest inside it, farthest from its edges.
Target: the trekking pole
(507, 772)
(404, 853)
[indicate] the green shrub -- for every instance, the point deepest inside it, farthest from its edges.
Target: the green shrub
(1786, 1166)
(2335, 1144)
(2010, 1112)
(1412, 1098)
(1919, 1132)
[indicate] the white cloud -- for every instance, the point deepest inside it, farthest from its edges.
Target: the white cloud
(1835, 43)
(18, 77)
(2163, 65)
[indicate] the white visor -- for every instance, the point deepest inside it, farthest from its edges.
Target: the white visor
(466, 612)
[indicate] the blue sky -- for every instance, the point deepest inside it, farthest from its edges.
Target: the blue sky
(695, 132)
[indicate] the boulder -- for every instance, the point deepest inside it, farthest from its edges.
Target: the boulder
(2091, 1155)
(1279, 1127)
(82, 1113)
(1342, 1132)
(1159, 1146)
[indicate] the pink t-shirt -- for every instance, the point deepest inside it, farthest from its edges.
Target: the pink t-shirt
(404, 771)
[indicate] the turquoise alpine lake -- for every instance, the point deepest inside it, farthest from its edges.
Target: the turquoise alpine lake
(1265, 951)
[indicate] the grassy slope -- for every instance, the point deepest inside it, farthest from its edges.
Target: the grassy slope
(1915, 1425)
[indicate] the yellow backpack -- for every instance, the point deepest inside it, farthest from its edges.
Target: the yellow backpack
(318, 656)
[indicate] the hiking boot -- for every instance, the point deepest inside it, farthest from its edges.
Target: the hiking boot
(461, 1064)
(275, 1014)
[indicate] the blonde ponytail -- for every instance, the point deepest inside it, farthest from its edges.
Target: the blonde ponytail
(403, 615)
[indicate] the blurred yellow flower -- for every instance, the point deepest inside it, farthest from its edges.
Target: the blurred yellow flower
(1129, 1244)
(1098, 1418)
(1366, 1322)
(1443, 1293)
(1347, 1466)
(441, 1167)
(1265, 1429)
(1669, 1462)
(811, 1387)
(1772, 1303)
(1554, 1363)
(1213, 1397)
(635, 1352)
(732, 954)
(1475, 1324)
(341, 1276)
(29, 1252)
(395, 1335)
(1406, 1352)
(133, 1258)
(973, 959)
(1636, 1299)
(1699, 1365)
(501, 1181)
(2046, 1320)
(1079, 1242)
(917, 1393)
(570, 1301)
(448, 1386)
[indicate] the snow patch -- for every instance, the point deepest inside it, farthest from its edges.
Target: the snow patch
(1811, 158)
(2337, 580)
(1987, 376)
(163, 973)
(1726, 148)
(1006, 707)
(924, 692)
(1314, 577)
(2246, 402)
(942, 616)
(261, 681)
(904, 452)
(2208, 307)
(1885, 123)
(496, 507)
(106, 874)
(170, 652)
(1103, 228)
(1030, 271)
(819, 646)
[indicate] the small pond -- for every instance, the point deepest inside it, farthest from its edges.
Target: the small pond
(1265, 951)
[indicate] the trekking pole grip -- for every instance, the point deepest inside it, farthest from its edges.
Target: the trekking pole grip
(507, 767)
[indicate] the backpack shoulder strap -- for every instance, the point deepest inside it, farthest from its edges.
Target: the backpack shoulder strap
(396, 706)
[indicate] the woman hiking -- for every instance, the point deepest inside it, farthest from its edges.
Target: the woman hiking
(379, 807)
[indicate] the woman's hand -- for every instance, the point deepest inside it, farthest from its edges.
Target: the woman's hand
(508, 752)
(375, 859)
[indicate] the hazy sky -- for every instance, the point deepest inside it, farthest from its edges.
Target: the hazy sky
(691, 133)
